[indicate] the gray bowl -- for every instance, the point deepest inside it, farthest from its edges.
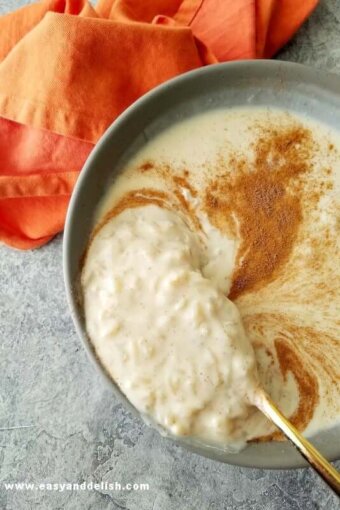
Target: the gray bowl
(266, 83)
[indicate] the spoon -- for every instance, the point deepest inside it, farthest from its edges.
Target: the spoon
(318, 462)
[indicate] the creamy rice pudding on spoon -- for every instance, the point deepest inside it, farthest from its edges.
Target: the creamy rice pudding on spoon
(229, 206)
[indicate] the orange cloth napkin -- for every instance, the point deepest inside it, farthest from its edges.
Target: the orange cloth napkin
(67, 70)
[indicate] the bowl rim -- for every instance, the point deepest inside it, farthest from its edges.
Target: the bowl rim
(322, 79)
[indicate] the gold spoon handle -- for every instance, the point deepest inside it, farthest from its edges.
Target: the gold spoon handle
(311, 454)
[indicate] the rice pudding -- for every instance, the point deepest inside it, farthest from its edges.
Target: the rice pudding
(229, 217)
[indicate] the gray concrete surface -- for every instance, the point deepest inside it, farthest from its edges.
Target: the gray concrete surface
(59, 422)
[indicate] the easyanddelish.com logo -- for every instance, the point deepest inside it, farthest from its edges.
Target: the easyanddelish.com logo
(84, 486)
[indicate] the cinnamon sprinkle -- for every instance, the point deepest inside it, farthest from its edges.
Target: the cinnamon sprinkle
(132, 199)
(182, 182)
(144, 167)
(262, 200)
(307, 382)
(174, 199)
(303, 351)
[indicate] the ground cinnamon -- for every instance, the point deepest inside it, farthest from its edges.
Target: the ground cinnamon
(261, 198)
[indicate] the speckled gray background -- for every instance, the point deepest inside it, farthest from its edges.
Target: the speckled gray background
(74, 428)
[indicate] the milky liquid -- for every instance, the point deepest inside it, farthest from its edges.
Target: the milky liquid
(158, 274)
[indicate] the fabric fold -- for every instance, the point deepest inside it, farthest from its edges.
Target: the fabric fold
(82, 81)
